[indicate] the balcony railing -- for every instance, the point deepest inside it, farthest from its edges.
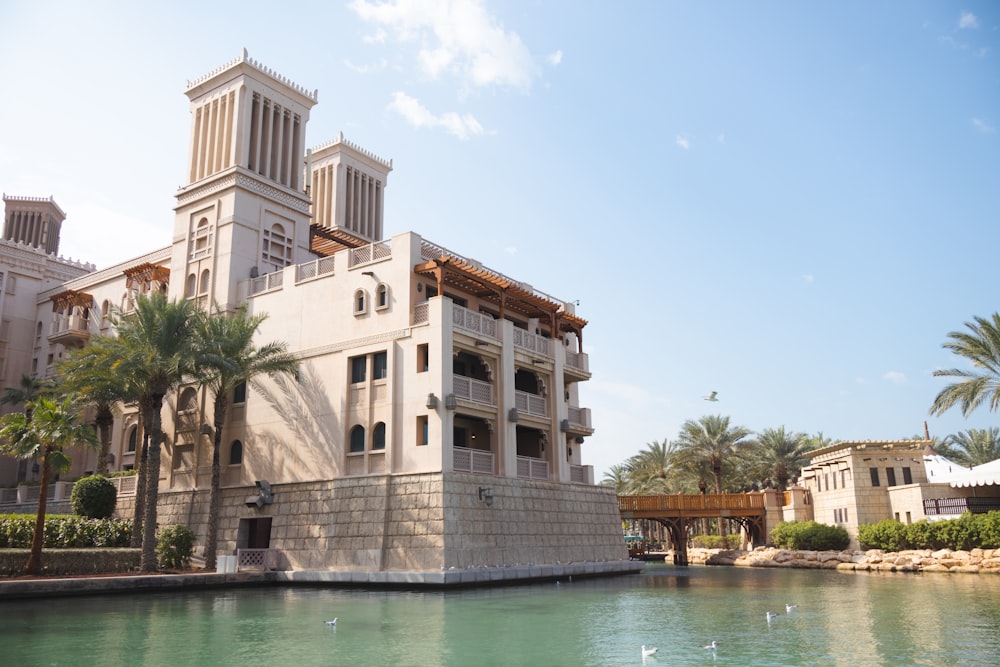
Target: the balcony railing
(314, 269)
(578, 360)
(477, 323)
(532, 468)
(579, 474)
(531, 404)
(421, 314)
(954, 506)
(266, 282)
(372, 252)
(532, 342)
(125, 485)
(579, 417)
(256, 559)
(473, 390)
(472, 460)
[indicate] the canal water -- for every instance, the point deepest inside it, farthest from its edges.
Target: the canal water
(850, 619)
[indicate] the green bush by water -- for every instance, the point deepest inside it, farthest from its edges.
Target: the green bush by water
(970, 531)
(174, 546)
(93, 497)
(63, 531)
(809, 536)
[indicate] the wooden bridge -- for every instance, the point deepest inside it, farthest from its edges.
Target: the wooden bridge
(677, 512)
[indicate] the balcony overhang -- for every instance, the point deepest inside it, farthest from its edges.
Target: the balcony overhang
(325, 241)
(508, 295)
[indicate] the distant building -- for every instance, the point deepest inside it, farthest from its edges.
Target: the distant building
(435, 425)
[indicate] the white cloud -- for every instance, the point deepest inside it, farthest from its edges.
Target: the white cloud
(968, 20)
(721, 138)
(377, 37)
(683, 142)
(895, 377)
(510, 250)
(983, 126)
(456, 37)
(416, 114)
(555, 58)
(808, 277)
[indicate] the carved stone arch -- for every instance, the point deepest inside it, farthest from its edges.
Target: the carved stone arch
(491, 425)
(543, 390)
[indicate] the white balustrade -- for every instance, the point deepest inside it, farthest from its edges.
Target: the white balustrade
(472, 460)
(532, 468)
(531, 404)
(473, 390)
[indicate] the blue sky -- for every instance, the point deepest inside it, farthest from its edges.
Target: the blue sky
(789, 203)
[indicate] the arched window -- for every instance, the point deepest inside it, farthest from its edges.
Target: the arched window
(188, 401)
(201, 239)
(357, 439)
(189, 286)
(360, 302)
(203, 283)
(378, 436)
(381, 296)
(236, 453)
(133, 439)
(277, 246)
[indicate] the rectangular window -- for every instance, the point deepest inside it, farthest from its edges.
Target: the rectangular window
(843, 479)
(834, 475)
(11, 284)
(422, 358)
(909, 519)
(422, 430)
(240, 393)
(874, 474)
(907, 477)
(896, 516)
(379, 366)
(890, 476)
(359, 368)
(826, 481)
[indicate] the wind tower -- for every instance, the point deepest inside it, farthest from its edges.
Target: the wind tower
(244, 211)
(347, 184)
(33, 221)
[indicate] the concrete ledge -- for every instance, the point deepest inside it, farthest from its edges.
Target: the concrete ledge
(36, 588)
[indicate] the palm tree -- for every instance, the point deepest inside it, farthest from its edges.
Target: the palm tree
(155, 354)
(981, 346)
(27, 391)
(712, 441)
(617, 478)
(51, 429)
(225, 357)
(87, 373)
(651, 471)
(973, 447)
(777, 455)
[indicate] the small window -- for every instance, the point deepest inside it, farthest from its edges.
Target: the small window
(133, 437)
(236, 453)
(843, 479)
(907, 478)
(890, 476)
(422, 357)
(357, 439)
(379, 366)
(189, 286)
(874, 475)
(381, 296)
(360, 302)
(358, 367)
(11, 284)
(203, 284)
(422, 431)
(378, 436)
(240, 393)
(188, 401)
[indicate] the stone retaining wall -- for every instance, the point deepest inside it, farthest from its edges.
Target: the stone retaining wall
(874, 560)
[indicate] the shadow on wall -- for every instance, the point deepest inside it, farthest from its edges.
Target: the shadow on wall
(308, 415)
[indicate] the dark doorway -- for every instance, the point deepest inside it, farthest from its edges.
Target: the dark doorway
(254, 533)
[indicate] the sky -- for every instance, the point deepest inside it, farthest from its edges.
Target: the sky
(789, 203)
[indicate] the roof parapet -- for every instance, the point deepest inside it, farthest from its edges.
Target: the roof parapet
(244, 57)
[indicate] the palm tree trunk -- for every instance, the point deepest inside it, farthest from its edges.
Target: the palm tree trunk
(34, 565)
(148, 561)
(140, 488)
(212, 533)
(105, 419)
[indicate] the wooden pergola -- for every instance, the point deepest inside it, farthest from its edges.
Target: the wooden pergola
(508, 296)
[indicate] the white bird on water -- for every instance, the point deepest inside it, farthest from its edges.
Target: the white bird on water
(771, 616)
(646, 652)
(791, 607)
(333, 622)
(712, 397)
(712, 646)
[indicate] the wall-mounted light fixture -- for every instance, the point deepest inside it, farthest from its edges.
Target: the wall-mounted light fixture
(432, 401)
(486, 495)
(368, 273)
(564, 425)
(264, 495)
(450, 402)
(512, 415)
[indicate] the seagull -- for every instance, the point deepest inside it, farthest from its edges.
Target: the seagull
(771, 616)
(333, 622)
(712, 397)
(791, 607)
(712, 646)
(646, 652)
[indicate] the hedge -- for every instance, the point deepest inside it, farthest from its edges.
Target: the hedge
(809, 536)
(64, 532)
(62, 562)
(970, 531)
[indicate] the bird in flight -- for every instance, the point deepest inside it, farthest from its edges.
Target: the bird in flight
(712, 397)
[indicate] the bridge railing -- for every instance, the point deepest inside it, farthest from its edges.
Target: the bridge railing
(680, 501)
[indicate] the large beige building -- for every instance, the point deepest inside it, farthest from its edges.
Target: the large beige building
(434, 431)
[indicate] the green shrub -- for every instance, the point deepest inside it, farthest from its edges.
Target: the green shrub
(888, 535)
(174, 546)
(987, 528)
(809, 536)
(715, 541)
(93, 497)
(63, 531)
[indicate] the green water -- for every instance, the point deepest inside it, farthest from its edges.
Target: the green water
(842, 619)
